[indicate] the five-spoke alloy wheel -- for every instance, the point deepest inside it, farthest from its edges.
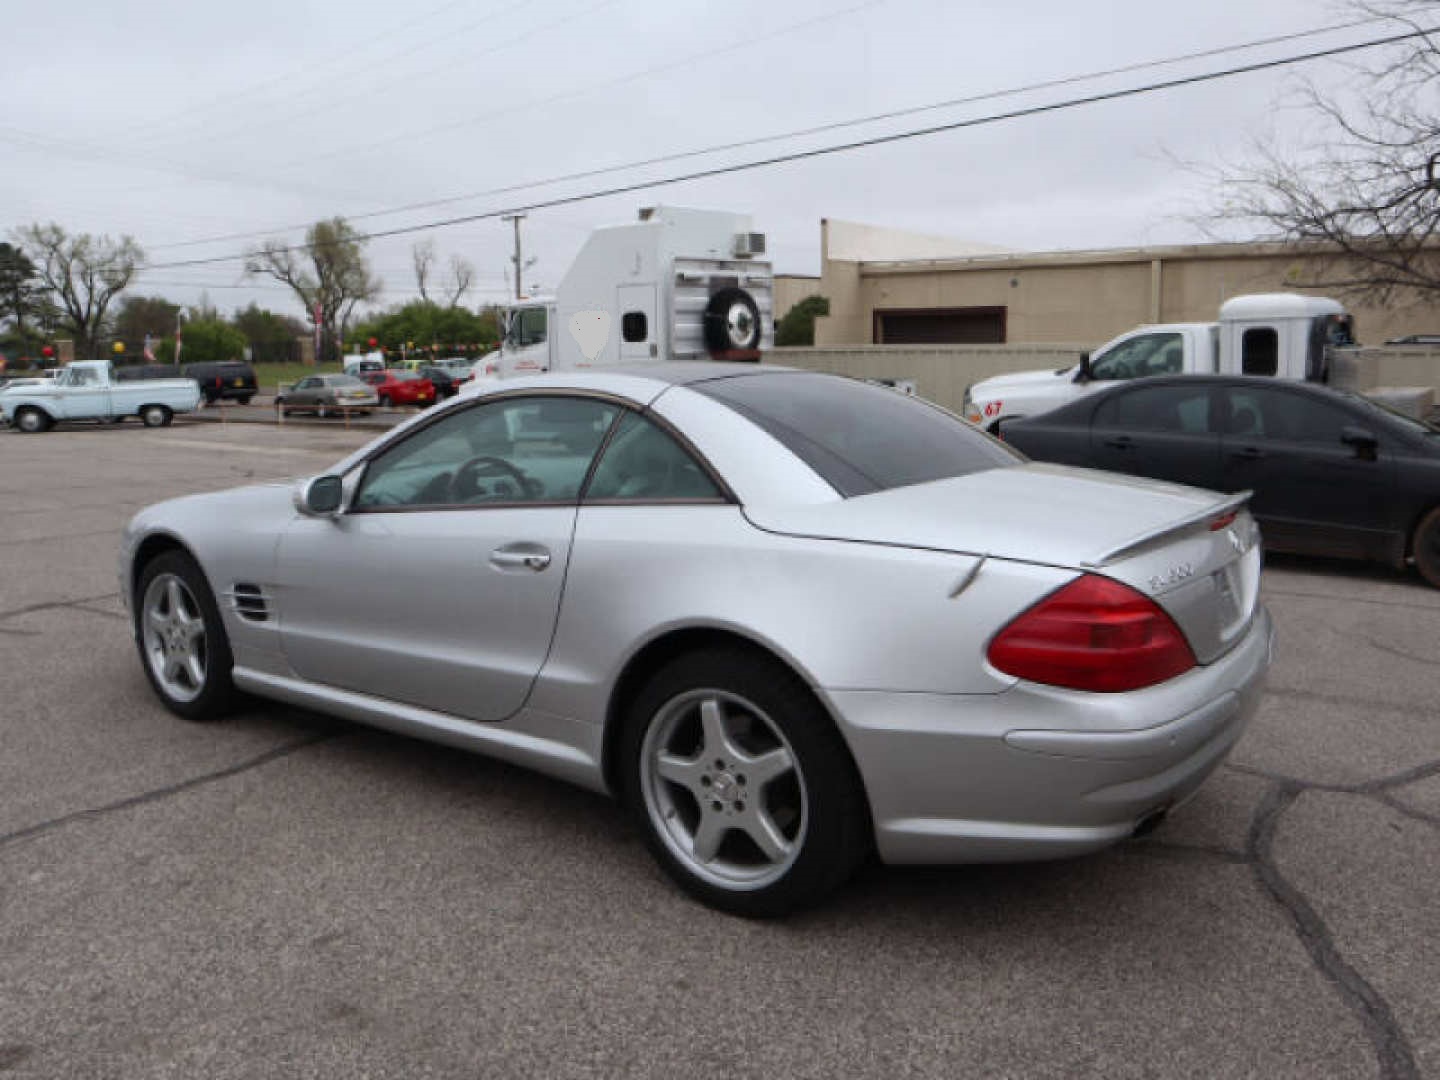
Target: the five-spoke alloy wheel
(745, 791)
(182, 639)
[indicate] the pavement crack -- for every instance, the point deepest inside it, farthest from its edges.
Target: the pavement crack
(53, 604)
(1169, 850)
(1392, 1050)
(1402, 807)
(155, 795)
(1393, 651)
(1347, 701)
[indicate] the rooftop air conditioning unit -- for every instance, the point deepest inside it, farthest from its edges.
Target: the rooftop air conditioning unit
(748, 244)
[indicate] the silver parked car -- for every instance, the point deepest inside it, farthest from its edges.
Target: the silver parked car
(327, 394)
(788, 618)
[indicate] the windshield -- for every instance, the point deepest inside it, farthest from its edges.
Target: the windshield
(859, 437)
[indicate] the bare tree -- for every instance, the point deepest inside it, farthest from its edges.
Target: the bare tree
(422, 255)
(81, 274)
(328, 273)
(459, 280)
(1361, 198)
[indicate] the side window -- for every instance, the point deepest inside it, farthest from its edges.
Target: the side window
(1177, 409)
(516, 450)
(527, 327)
(644, 462)
(1259, 351)
(1275, 414)
(1148, 354)
(634, 326)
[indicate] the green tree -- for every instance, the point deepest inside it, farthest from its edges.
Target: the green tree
(271, 336)
(20, 296)
(81, 275)
(797, 326)
(141, 315)
(424, 323)
(204, 340)
(328, 274)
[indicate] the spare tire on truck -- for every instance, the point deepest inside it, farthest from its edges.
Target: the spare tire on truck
(732, 325)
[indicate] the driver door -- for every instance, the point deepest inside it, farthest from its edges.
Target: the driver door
(439, 585)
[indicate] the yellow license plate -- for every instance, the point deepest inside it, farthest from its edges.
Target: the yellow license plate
(239, 382)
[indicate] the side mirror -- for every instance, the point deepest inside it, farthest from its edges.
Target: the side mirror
(1083, 373)
(320, 496)
(1362, 439)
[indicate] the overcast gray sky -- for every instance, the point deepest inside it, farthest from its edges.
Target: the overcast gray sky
(184, 121)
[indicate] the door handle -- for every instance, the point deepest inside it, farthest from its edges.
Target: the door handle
(1249, 453)
(1121, 442)
(531, 556)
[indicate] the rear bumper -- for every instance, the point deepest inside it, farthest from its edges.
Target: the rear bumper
(1036, 772)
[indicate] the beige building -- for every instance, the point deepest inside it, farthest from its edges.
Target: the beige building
(892, 288)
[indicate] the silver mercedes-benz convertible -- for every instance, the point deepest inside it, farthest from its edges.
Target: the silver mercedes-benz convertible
(789, 618)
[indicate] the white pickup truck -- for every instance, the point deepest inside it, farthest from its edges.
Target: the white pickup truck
(89, 391)
(1283, 335)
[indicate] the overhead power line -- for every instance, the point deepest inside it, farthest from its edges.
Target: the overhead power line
(818, 129)
(858, 144)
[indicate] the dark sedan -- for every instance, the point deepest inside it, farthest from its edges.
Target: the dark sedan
(1333, 473)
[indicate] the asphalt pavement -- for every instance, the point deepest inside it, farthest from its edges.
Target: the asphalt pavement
(287, 895)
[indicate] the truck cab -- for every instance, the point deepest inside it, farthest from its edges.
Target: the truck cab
(1284, 335)
(1281, 335)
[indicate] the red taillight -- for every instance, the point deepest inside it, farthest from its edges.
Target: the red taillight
(1094, 634)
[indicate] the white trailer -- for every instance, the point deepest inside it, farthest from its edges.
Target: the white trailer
(677, 284)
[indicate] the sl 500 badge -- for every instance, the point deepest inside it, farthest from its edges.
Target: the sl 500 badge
(1171, 576)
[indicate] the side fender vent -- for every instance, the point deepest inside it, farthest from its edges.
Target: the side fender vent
(249, 602)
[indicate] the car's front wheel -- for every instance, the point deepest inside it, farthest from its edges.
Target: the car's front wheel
(182, 639)
(743, 787)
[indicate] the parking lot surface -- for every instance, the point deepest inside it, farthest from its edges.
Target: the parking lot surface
(288, 895)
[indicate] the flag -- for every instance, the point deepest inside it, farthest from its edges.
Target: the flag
(149, 352)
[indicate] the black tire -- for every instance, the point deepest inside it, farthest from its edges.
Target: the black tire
(211, 696)
(813, 808)
(155, 416)
(33, 421)
(322, 412)
(732, 322)
(385, 401)
(211, 398)
(1426, 547)
(244, 399)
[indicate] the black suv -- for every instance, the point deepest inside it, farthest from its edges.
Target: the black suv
(223, 379)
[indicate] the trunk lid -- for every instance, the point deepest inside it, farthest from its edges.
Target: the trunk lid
(1179, 545)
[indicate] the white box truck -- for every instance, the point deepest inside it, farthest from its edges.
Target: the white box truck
(677, 284)
(1284, 335)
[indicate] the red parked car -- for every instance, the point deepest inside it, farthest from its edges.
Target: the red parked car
(395, 386)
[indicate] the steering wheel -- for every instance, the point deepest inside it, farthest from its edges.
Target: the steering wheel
(465, 482)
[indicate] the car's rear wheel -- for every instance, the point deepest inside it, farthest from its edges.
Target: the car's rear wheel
(182, 639)
(322, 412)
(1426, 547)
(32, 421)
(384, 401)
(244, 399)
(745, 791)
(155, 416)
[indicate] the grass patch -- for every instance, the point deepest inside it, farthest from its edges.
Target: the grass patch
(270, 376)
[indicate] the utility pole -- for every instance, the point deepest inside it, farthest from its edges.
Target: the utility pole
(515, 219)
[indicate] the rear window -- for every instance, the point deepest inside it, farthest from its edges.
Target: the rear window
(860, 437)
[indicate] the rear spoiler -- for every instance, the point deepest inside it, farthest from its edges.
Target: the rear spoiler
(1212, 514)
